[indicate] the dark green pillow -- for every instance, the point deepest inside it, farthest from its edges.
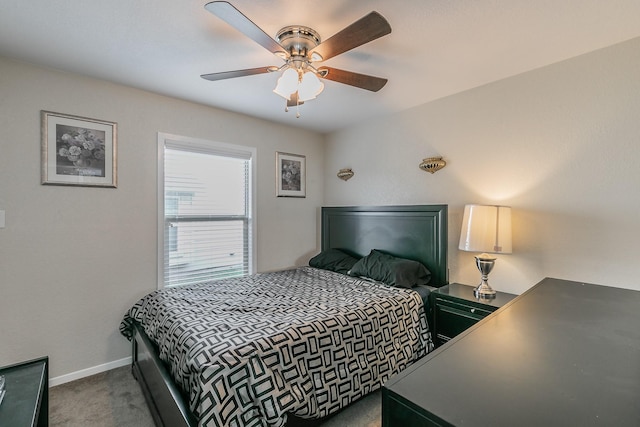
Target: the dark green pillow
(399, 272)
(333, 260)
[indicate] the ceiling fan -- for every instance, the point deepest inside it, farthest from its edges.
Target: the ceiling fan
(301, 47)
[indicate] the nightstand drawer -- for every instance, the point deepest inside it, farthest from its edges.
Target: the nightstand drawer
(463, 309)
(452, 319)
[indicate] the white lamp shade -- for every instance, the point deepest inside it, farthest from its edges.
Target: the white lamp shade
(486, 229)
(287, 83)
(309, 87)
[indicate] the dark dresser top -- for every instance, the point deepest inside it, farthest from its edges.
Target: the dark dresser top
(563, 353)
(26, 391)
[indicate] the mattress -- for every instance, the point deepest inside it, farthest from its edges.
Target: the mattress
(247, 351)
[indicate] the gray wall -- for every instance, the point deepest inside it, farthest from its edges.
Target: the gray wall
(560, 144)
(73, 259)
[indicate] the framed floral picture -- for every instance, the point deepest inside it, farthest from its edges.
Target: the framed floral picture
(78, 151)
(290, 175)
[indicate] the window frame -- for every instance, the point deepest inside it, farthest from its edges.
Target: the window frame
(206, 147)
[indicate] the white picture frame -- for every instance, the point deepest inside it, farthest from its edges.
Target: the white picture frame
(291, 173)
(78, 151)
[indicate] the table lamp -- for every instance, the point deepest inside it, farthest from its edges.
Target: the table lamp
(486, 229)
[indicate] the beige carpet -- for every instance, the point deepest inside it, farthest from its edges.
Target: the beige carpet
(114, 399)
(109, 399)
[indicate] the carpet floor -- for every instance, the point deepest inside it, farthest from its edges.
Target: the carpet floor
(114, 399)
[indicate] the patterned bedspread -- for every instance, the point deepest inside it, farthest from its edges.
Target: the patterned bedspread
(306, 341)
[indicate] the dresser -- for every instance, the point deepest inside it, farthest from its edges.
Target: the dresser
(26, 402)
(563, 353)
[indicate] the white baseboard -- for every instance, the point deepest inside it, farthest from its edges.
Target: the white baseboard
(89, 371)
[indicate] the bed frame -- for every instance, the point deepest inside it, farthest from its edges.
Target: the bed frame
(417, 232)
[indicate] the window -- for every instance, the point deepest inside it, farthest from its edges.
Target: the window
(205, 214)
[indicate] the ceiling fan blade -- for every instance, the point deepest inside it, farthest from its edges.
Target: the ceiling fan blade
(232, 16)
(366, 29)
(361, 81)
(237, 73)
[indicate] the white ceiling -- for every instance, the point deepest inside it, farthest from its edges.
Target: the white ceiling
(436, 48)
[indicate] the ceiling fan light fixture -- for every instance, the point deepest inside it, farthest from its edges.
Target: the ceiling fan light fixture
(309, 87)
(287, 83)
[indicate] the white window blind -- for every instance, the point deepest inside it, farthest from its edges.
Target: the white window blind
(206, 224)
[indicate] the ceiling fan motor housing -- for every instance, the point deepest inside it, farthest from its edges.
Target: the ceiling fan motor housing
(298, 40)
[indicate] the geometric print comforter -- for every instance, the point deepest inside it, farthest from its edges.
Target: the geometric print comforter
(305, 341)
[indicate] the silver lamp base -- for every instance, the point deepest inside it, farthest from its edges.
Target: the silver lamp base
(485, 264)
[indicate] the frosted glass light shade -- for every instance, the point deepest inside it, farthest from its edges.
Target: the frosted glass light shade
(287, 83)
(486, 229)
(309, 87)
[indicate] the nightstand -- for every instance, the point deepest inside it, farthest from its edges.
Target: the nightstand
(456, 309)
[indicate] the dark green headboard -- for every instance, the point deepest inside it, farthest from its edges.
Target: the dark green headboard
(416, 232)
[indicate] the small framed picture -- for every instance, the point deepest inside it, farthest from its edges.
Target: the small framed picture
(78, 151)
(290, 175)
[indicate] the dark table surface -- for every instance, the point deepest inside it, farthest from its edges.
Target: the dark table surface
(563, 353)
(25, 386)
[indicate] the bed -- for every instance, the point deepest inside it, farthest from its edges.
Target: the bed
(324, 338)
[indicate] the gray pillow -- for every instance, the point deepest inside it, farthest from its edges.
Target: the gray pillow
(333, 260)
(394, 271)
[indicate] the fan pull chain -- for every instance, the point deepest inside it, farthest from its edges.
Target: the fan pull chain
(286, 109)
